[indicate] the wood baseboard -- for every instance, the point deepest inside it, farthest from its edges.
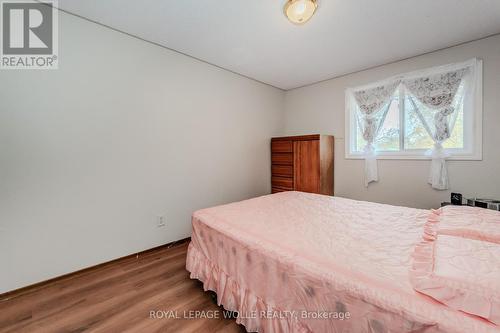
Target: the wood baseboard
(40, 285)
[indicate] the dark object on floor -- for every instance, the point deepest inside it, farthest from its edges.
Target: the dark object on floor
(213, 296)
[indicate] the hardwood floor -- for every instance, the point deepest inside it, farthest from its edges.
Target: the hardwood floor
(118, 297)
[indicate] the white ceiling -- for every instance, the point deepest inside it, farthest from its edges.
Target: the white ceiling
(253, 38)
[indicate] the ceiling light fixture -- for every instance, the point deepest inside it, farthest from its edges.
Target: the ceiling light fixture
(300, 11)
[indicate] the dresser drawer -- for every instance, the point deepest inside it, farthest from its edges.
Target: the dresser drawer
(282, 170)
(282, 158)
(281, 146)
(282, 182)
(277, 190)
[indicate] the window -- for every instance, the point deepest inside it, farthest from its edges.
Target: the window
(405, 124)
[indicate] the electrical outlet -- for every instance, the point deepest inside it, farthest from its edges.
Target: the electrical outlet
(161, 221)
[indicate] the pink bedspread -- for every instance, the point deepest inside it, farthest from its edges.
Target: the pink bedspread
(300, 262)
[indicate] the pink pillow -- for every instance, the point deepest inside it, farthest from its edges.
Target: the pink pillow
(458, 261)
(469, 222)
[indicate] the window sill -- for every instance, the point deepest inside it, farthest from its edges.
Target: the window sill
(385, 156)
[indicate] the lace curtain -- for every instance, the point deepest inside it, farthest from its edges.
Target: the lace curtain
(438, 93)
(433, 94)
(373, 106)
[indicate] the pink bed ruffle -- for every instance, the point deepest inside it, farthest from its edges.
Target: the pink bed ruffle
(457, 288)
(235, 298)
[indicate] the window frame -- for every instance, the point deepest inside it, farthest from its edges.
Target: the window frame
(472, 150)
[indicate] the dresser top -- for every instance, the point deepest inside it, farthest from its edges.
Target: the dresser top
(302, 137)
(299, 137)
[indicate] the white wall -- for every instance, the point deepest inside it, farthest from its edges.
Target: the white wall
(124, 131)
(320, 108)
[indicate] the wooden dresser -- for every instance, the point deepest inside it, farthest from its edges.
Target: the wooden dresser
(302, 163)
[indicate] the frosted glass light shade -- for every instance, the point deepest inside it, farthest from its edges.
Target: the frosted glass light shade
(300, 11)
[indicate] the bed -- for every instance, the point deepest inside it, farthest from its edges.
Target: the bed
(301, 262)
